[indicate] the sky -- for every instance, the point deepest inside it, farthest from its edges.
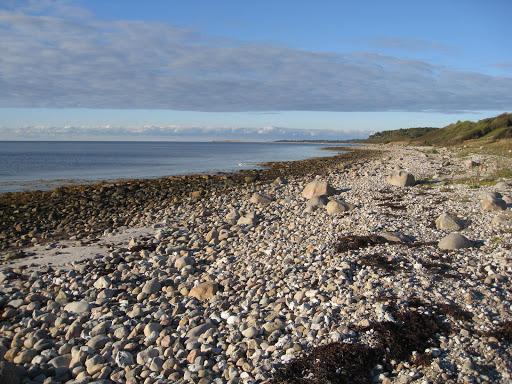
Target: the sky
(89, 69)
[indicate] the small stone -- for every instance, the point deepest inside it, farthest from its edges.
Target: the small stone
(493, 202)
(183, 262)
(124, 359)
(247, 219)
(152, 327)
(98, 342)
(152, 286)
(204, 291)
(78, 307)
(102, 283)
(250, 332)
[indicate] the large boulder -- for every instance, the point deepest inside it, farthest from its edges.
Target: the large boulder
(401, 179)
(335, 207)
(454, 241)
(493, 202)
(502, 219)
(449, 222)
(204, 291)
(317, 188)
(503, 186)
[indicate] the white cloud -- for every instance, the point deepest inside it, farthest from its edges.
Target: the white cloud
(171, 133)
(54, 55)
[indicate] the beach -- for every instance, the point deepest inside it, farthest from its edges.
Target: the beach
(384, 263)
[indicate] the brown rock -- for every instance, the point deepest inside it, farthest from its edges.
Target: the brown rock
(204, 291)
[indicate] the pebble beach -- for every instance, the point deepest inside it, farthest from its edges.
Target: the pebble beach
(383, 264)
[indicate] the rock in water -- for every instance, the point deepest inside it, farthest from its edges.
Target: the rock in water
(335, 207)
(204, 291)
(454, 241)
(449, 222)
(401, 179)
(317, 188)
(258, 198)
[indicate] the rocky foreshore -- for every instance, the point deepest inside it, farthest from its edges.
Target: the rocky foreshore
(385, 265)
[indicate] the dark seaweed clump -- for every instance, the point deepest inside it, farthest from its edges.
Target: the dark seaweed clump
(380, 262)
(354, 242)
(344, 363)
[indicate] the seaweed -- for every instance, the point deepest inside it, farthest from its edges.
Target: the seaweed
(380, 262)
(354, 242)
(346, 363)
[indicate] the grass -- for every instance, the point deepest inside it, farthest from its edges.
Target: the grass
(492, 135)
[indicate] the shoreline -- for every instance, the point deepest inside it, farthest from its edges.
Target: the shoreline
(249, 281)
(51, 184)
(16, 220)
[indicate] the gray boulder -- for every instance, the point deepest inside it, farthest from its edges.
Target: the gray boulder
(78, 307)
(401, 179)
(449, 222)
(261, 199)
(493, 202)
(503, 219)
(335, 207)
(454, 241)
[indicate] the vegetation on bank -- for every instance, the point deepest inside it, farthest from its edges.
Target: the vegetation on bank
(489, 130)
(403, 134)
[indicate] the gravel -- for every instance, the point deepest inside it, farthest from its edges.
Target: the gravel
(247, 285)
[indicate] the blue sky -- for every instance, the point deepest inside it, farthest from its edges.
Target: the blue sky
(351, 67)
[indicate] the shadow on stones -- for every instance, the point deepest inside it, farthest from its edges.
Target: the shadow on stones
(502, 332)
(393, 206)
(355, 242)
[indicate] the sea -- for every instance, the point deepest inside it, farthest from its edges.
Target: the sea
(43, 165)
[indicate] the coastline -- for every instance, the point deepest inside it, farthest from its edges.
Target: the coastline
(19, 224)
(154, 160)
(249, 281)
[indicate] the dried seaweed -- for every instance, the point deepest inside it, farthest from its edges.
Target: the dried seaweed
(353, 363)
(354, 242)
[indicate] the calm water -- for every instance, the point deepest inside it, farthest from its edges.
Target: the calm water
(43, 165)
